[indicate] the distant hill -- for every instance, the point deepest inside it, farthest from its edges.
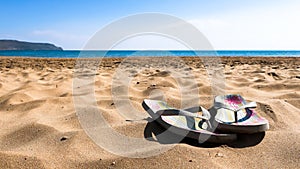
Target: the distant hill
(19, 45)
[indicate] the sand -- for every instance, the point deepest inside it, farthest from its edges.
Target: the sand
(40, 128)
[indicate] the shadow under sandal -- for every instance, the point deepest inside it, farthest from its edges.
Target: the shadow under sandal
(234, 114)
(195, 125)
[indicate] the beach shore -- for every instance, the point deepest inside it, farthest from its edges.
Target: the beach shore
(40, 129)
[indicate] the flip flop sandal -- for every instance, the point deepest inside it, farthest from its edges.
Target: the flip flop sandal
(187, 123)
(234, 114)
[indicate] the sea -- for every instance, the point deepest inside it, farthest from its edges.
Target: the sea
(147, 53)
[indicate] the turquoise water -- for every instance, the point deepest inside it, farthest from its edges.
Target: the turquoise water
(75, 54)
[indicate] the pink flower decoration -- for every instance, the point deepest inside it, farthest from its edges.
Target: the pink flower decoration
(233, 99)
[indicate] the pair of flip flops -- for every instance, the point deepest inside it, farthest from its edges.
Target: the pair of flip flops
(230, 115)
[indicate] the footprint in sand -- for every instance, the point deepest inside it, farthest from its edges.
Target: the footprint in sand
(274, 75)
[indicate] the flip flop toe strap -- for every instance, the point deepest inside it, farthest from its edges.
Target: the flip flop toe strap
(220, 105)
(171, 112)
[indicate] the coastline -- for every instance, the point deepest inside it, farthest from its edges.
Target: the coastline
(149, 53)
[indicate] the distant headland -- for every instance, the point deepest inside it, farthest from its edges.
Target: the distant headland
(21, 45)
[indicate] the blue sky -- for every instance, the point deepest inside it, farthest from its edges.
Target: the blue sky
(229, 25)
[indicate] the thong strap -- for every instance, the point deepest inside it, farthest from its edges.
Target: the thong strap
(220, 105)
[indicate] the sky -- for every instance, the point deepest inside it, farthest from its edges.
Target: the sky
(228, 25)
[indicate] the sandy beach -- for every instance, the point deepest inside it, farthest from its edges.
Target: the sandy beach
(40, 128)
